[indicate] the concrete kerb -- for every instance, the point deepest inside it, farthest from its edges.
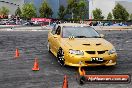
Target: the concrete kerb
(43, 28)
(10, 26)
(28, 30)
(24, 28)
(110, 28)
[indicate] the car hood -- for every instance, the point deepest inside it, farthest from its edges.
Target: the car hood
(87, 44)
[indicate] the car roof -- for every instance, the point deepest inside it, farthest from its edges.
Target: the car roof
(72, 24)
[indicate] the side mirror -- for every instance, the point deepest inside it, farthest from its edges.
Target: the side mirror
(55, 36)
(101, 35)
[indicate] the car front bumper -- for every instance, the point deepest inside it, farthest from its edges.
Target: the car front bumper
(75, 60)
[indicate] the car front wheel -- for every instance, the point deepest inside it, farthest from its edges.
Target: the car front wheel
(60, 57)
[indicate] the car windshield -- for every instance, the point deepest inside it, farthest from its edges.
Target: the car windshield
(79, 32)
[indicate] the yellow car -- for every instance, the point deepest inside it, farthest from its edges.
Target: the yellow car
(74, 44)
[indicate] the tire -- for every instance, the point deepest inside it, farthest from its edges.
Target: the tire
(60, 57)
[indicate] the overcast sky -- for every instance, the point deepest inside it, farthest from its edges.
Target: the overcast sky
(105, 5)
(118, 0)
(123, 0)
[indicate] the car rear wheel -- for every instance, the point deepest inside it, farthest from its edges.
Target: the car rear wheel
(60, 57)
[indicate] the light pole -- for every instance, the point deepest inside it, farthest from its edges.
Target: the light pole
(91, 8)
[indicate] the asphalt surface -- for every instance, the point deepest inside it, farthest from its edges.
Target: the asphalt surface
(17, 73)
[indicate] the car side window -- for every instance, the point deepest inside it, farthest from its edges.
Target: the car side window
(58, 30)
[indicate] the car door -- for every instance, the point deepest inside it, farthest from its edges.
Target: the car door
(51, 38)
(57, 39)
(54, 37)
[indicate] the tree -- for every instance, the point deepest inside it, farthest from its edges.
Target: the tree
(119, 12)
(82, 8)
(131, 17)
(4, 11)
(72, 8)
(109, 17)
(0, 11)
(28, 11)
(61, 12)
(45, 10)
(18, 12)
(97, 14)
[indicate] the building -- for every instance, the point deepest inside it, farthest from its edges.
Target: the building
(12, 5)
(54, 4)
(127, 5)
(107, 5)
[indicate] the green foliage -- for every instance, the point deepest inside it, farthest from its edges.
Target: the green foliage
(61, 12)
(4, 11)
(72, 8)
(77, 9)
(131, 17)
(97, 14)
(109, 17)
(82, 8)
(28, 11)
(45, 10)
(119, 12)
(18, 12)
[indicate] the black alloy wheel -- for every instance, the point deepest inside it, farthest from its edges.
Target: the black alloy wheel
(60, 57)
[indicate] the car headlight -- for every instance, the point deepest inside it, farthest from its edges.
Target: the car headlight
(76, 52)
(112, 51)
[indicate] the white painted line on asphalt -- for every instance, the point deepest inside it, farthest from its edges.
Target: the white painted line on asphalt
(35, 30)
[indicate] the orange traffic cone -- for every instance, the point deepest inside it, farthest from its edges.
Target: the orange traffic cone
(36, 66)
(17, 53)
(65, 82)
(81, 71)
